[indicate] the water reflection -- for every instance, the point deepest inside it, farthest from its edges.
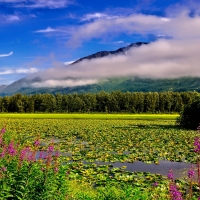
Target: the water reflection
(179, 168)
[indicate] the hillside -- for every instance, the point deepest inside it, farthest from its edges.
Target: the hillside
(131, 84)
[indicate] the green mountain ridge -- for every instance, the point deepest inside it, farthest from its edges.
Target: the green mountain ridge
(130, 84)
(125, 84)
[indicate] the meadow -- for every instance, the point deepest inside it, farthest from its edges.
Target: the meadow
(68, 155)
(89, 116)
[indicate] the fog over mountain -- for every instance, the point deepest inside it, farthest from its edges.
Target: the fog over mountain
(160, 59)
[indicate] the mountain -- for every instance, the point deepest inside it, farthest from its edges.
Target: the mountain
(131, 84)
(101, 54)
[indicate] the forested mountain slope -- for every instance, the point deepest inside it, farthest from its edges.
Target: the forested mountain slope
(131, 84)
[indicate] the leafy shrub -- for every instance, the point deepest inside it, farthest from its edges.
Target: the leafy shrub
(190, 116)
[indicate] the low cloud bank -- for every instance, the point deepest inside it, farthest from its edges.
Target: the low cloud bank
(177, 56)
(63, 83)
(160, 59)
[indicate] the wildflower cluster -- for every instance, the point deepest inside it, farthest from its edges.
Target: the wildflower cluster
(197, 145)
(191, 173)
(28, 162)
(175, 194)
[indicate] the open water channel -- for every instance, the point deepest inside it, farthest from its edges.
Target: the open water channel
(180, 169)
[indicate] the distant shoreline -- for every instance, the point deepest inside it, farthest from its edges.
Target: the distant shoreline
(90, 116)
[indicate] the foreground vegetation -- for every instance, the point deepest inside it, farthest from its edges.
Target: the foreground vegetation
(45, 158)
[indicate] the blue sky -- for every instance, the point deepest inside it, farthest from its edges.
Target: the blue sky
(37, 34)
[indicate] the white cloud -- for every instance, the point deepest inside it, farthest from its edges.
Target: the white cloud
(6, 55)
(47, 30)
(19, 71)
(64, 83)
(177, 27)
(118, 42)
(160, 59)
(51, 4)
(94, 16)
(177, 56)
(11, 18)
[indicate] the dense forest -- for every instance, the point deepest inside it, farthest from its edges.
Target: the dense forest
(114, 102)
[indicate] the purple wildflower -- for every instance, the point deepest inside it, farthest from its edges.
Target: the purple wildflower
(191, 173)
(23, 154)
(2, 154)
(41, 155)
(11, 150)
(50, 148)
(197, 145)
(175, 194)
(170, 175)
(3, 130)
(67, 172)
(31, 156)
(196, 141)
(36, 143)
(56, 154)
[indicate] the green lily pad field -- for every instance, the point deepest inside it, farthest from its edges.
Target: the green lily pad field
(107, 140)
(84, 142)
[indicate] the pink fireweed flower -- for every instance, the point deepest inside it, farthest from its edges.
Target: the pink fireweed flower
(56, 154)
(36, 143)
(24, 153)
(2, 154)
(11, 150)
(170, 175)
(174, 193)
(3, 130)
(41, 155)
(191, 172)
(31, 157)
(56, 169)
(197, 145)
(50, 148)
(196, 141)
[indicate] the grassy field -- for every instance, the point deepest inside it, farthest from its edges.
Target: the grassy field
(92, 116)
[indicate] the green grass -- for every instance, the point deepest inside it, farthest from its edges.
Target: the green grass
(92, 116)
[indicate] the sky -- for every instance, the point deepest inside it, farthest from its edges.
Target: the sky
(41, 37)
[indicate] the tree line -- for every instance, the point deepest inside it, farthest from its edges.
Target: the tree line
(102, 102)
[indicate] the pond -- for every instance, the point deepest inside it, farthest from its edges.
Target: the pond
(180, 169)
